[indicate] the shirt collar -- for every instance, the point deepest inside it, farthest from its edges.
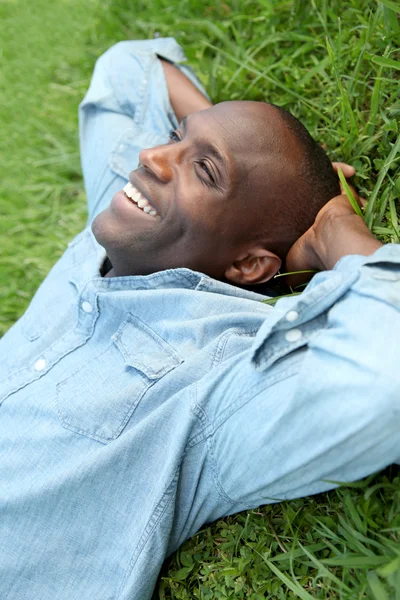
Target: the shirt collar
(88, 269)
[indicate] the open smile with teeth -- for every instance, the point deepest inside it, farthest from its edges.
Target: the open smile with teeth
(133, 194)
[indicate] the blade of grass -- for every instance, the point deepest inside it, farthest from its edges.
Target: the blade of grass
(347, 111)
(312, 105)
(349, 194)
(376, 586)
(273, 301)
(324, 571)
(375, 104)
(299, 591)
(393, 218)
(386, 62)
(391, 22)
(369, 212)
(390, 4)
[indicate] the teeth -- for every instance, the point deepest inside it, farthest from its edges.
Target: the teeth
(134, 195)
(130, 190)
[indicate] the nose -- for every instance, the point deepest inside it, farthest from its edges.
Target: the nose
(160, 161)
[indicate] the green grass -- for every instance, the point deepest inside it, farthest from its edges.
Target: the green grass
(333, 64)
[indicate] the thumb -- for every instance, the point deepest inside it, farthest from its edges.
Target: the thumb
(348, 170)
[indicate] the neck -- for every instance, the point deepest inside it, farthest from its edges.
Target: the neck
(107, 269)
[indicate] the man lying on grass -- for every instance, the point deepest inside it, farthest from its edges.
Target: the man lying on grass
(146, 391)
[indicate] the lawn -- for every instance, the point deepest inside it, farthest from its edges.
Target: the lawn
(333, 64)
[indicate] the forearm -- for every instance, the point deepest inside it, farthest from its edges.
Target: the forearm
(185, 98)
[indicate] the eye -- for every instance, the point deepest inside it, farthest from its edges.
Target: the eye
(206, 170)
(173, 136)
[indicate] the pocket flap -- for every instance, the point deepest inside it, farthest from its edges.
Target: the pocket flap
(100, 398)
(144, 350)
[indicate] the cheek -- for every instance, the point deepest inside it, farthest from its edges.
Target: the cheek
(199, 210)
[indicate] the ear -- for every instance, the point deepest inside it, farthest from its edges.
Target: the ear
(257, 266)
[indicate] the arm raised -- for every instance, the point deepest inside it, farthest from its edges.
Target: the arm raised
(184, 96)
(336, 232)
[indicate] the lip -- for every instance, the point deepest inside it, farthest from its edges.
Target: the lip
(144, 193)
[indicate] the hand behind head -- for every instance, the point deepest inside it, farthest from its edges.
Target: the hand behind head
(336, 232)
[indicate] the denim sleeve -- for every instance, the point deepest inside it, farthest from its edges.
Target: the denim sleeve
(318, 403)
(126, 109)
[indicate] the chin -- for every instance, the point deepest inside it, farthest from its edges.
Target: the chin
(96, 227)
(105, 229)
(101, 229)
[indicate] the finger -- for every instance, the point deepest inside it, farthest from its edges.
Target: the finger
(348, 170)
(362, 201)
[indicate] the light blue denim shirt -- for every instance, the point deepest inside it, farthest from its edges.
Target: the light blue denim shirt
(136, 409)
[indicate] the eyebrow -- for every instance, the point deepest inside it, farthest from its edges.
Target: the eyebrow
(208, 147)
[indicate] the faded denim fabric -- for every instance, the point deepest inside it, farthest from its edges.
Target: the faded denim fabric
(135, 409)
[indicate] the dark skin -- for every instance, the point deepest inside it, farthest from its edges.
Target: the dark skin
(337, 231)
(210, 207)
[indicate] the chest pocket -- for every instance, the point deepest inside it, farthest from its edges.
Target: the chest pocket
(98, 400)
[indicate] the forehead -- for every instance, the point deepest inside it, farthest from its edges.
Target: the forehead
(246, 134)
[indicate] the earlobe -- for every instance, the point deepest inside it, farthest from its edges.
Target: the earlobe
(257, 267)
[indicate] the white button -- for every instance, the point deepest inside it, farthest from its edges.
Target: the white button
(292, 315)
(293, 335)
(87, 307)
(40, 364)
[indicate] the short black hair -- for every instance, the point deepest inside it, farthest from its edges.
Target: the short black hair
(317, 184)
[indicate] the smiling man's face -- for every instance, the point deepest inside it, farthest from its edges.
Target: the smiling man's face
(207, 197)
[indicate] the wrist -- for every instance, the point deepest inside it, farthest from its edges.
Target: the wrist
(338, 237)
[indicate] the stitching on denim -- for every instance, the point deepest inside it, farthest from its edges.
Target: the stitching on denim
(209, 429)
(270, 355)
(211, 438)
(126, 281)
(117, 431)
(117, 342)
(202, 416)
(281, 375)
(141, 106)
(306, 303)
(227, 335)
(198, 437)
(163, 344)
(33, 333)
(153, 521)
(265, 356)
(219, 351)
(264, 384)
(82, 339)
